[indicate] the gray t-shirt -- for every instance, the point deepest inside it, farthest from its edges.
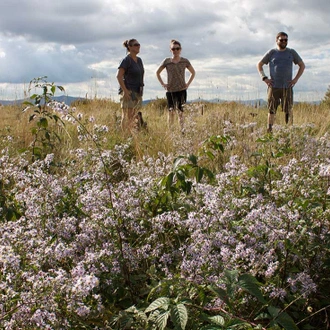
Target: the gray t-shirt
(280, 65)
(134, 72)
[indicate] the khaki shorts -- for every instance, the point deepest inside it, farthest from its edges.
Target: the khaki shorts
(280, 96)
(134, 102)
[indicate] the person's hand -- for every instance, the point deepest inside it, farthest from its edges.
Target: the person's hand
(292, 83)
(268, 82)
(127, 94)
(165, 86)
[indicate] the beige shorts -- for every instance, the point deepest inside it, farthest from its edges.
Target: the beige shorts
(134, 102)
(280, 96)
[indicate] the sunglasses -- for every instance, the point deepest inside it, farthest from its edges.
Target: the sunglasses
(283, 40)
(136, 45)
(176, 48)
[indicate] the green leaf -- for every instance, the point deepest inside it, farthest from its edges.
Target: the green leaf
(125, 321)
(47, 136)
(9, 214)
(57, 118)
(210, 155)
(161, 320)
(37, 151)
(231, 276)
(179, 316)
(43, 122)
(279, 154)
(32, 117)
(251, 285)
(161, 302)
(141, 315)
(209, 174)
(221, 293)
(167, 181)
(193, 159)
(199, 174)
(282, 318)
(28, 103)
(180, 175)
(177, 162)
(217, 319)
(221, 147)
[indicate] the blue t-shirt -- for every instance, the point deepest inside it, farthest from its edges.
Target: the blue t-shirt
(134, 72)
(280, 65)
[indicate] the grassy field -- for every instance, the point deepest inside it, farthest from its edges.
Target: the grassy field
(222, 227)
(202, 120)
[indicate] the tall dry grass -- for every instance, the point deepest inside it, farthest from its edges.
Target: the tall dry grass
(202, 120)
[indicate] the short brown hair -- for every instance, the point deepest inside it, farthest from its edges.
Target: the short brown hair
(281, 34)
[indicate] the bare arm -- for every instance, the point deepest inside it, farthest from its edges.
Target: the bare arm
(299, 73)
(120, 78)
(158, 72)
(192, 75)
(262, 73)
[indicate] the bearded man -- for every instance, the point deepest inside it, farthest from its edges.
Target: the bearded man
(280, 83)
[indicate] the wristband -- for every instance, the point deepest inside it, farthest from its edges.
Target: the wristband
(264, 78)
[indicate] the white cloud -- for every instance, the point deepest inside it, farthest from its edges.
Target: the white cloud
(67, 48)
(78, 44)
(45, 48)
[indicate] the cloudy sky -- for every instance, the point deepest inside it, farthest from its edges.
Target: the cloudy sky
(78, 44)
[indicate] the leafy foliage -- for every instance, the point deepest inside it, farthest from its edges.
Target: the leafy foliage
(326, 99)
(210, 239)
(45, 137)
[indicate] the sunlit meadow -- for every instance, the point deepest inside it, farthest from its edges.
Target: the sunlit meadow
(220, 227)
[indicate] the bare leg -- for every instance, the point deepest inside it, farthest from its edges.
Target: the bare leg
(127, 119)
(170, 119)
(271, 121)
(180, 118)
(289, 117)
(124, 119)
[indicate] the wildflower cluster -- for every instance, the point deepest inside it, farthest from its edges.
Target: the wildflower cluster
(82, 244)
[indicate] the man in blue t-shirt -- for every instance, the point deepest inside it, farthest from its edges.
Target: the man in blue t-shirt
(280, 83)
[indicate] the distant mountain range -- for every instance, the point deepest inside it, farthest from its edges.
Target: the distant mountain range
(69, 99)
(66, 99)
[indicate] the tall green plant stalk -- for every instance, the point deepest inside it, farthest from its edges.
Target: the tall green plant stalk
(44, 138)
